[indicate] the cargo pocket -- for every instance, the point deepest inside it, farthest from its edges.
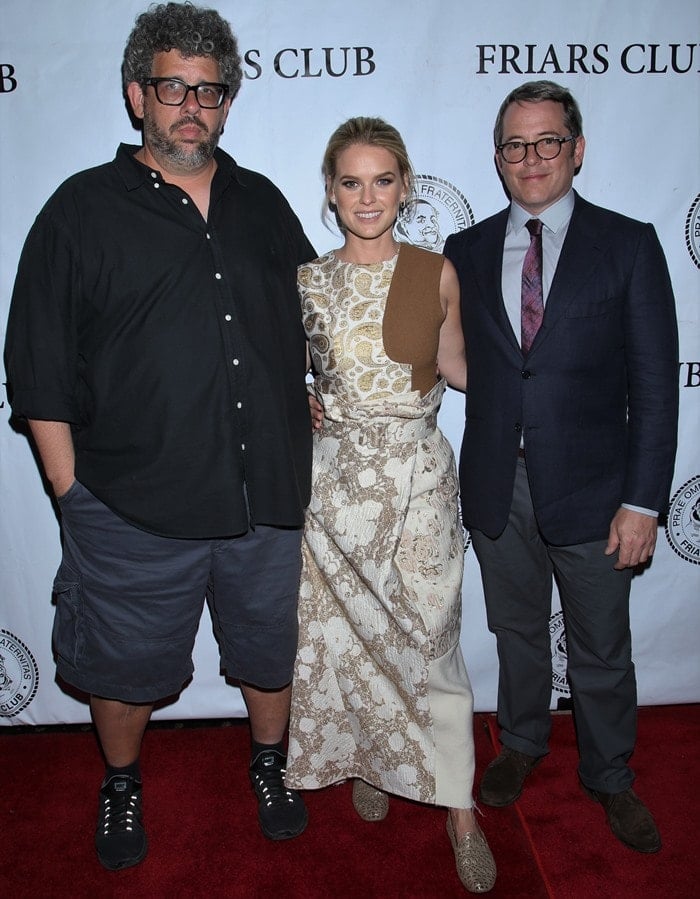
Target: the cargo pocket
(68, 625)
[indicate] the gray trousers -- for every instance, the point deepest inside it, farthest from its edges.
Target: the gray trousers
(517, 569)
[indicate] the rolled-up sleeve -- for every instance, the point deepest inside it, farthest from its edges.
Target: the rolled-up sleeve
(41, 342)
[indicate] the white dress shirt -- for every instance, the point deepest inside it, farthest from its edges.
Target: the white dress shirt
(555, 223)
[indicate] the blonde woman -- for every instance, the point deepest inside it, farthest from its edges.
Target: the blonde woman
(381, 693)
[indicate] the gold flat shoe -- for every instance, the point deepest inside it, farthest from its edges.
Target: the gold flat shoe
(475, 864)
(370, 803)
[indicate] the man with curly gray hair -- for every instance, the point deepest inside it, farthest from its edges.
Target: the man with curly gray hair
(155, 348)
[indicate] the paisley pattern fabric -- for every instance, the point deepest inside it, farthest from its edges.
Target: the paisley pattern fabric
(380, 596)
(343, 309)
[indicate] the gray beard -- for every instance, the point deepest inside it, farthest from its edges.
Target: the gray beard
(185, 158)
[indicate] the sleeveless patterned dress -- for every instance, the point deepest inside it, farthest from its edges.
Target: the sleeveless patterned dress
(380, 688)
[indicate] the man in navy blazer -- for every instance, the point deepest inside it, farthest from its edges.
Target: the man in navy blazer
(569, 448)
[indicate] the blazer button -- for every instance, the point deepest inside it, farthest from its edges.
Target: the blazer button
(525, 375)
(518, 427)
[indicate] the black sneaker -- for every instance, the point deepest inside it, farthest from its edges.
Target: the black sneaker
(281, 812)
(120, 839)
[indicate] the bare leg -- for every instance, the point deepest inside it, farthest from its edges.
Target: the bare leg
(120, 839)
(268, 711)
(120, 727)
(463, 821)
(281, 812)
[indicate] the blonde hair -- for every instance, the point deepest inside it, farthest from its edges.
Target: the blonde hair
(374, 132)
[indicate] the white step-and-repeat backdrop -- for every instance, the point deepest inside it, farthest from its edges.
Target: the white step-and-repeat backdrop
(438, 70)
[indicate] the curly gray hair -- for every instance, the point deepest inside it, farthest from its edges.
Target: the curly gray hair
(192, 30)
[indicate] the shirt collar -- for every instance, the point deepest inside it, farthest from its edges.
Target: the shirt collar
(135, 173)
(553, 218)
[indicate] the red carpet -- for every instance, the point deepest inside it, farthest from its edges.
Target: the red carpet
(570, 837)
(205, 842)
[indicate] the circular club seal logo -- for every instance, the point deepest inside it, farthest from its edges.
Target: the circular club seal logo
(692, 231)
(19, 675)
(436, 210)
(683, 525)
(560, 682)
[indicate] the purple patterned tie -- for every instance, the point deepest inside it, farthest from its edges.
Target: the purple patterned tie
(532, 305)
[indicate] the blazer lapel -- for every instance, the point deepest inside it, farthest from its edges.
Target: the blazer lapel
(580, 255)
(486, 255)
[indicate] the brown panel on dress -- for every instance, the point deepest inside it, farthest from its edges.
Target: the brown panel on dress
(413, 314)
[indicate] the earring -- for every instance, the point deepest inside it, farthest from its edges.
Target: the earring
(402, 207)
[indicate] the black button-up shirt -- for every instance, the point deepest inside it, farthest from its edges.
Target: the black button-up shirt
(172, 345)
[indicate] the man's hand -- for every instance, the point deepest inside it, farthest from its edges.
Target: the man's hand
(316, 410)
(633, 537)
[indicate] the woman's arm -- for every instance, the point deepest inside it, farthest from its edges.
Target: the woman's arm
(452, 360)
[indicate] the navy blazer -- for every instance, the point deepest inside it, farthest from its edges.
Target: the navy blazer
(596, 398)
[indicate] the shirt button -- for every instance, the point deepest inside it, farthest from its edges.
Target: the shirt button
(227, 317)
(243, 446)
(154, 175)
(217, 275)
(208, 236)
(155, 184)
(236, 362)
(184, 201)
(239, 405)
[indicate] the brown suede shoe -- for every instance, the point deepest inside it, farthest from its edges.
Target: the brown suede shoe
(503, 780)
(629, 819)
